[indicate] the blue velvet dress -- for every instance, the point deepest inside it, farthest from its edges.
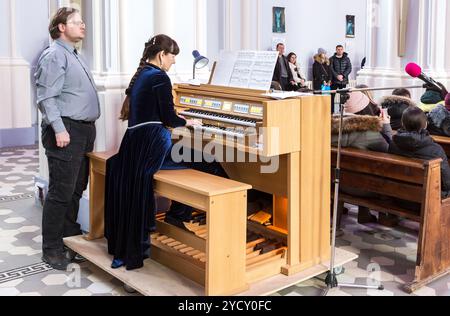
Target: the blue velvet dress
(145, 149)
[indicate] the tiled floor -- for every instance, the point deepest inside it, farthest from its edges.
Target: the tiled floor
(385, 255)
(17, 170)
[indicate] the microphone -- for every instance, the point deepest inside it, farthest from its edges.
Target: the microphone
(415, 71)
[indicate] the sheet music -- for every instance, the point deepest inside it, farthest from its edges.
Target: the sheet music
(246, 69)
(224, 69)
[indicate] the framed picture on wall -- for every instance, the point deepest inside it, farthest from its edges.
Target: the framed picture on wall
(279, 20)
(350, 26)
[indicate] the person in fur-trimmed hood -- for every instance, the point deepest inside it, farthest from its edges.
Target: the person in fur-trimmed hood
(364, 127)
(396, 105)
(361, 132)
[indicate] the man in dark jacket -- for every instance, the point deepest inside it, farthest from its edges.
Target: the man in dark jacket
(341, 68)
(282, 73)
(414, 141)
(396, 105)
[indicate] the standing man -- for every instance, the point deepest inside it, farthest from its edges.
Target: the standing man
(67, 97)
(341, 68)
(283, 74)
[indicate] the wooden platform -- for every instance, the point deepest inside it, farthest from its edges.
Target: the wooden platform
(155, 279)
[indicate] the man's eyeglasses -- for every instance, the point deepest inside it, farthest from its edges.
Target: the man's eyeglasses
(77, 23)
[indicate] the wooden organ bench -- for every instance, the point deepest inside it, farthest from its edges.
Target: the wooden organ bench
(392, 177)
(222, 268)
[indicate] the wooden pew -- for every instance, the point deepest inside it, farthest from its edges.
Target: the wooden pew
(393, 177)
(444, 142)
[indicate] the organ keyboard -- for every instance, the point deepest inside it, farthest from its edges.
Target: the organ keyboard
(256, 122)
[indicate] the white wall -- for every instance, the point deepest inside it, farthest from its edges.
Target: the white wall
(32, 38)
(140, 20)
(309, 25)
(24, 34)
(4, 29)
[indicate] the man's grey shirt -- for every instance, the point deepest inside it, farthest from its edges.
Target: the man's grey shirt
(65, 87)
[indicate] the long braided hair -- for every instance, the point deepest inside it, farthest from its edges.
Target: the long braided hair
(157, 44)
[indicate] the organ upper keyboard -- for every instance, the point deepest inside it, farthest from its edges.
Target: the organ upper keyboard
(256, 122)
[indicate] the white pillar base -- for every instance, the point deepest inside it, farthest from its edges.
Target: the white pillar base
(15, 92)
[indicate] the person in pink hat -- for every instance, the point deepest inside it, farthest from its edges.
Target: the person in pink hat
(365, 127)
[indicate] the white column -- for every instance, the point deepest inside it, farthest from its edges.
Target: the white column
(246, 25)
(438, 27)
(163, 17)
(228, 24)
(201, 26)
(106, 49)
(427, 43)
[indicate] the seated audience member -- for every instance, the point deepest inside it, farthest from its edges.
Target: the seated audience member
(396, 105)
(402, 93)
(369, 94)
(439, 119)
(414, 141)
(362, 129)
(432, 98)
(298, 78)
(322, 74)
(359, 105)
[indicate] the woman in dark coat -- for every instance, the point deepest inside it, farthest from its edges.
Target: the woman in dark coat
(414, 141)
(322, 74)
(145, 149)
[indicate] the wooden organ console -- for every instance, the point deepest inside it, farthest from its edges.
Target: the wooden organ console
(223, 251)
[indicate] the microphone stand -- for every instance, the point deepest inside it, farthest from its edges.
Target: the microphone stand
(350, 90)
(331, 279)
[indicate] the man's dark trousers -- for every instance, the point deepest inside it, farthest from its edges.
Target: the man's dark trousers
(69, 174)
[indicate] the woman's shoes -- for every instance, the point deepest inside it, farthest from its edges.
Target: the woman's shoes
(117, 263)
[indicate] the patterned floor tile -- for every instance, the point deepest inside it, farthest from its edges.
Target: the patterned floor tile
(101, 288)
(385, 255)
(383, 261)
(79, 292)
(9, 291)
(55, 279)
(425, 291)
(29, 294)
(5, 212)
